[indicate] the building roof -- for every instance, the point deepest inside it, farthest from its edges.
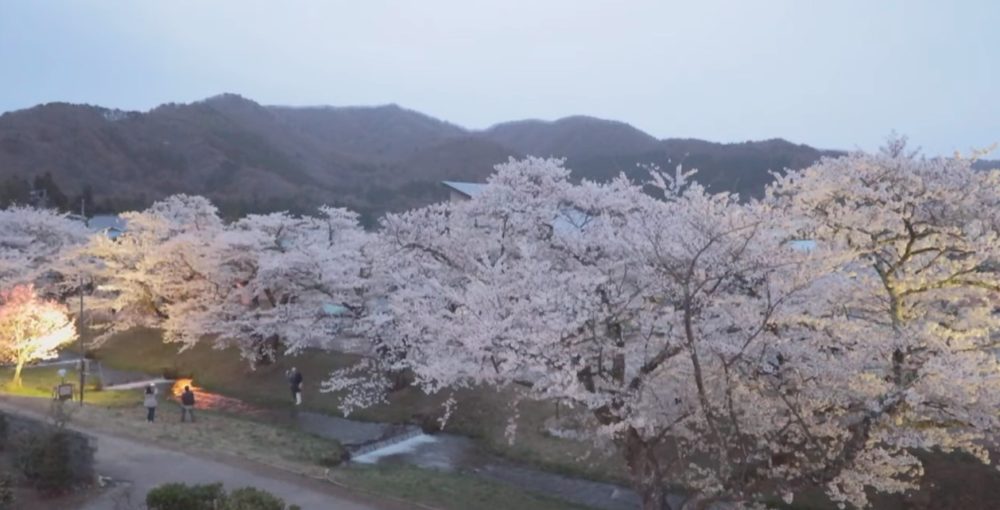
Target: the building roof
(803, 244)
(469, 189)
(106, 221)
(110, 224)
(334, 309)
(568, 220)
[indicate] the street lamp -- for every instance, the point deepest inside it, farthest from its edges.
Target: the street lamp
(79, 327)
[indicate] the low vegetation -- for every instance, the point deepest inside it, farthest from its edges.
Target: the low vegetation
(43, 459)
(179, 496)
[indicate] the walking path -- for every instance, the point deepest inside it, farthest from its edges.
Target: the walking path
(144, 467)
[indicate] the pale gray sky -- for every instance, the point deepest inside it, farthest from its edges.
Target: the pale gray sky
(835, 74)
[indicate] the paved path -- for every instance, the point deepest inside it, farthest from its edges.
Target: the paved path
(146, 467)
(143, 467)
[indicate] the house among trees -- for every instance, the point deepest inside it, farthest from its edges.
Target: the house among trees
(110, 225)
(461, 191)
(570, 219)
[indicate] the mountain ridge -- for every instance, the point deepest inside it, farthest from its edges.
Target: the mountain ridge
(249, 157)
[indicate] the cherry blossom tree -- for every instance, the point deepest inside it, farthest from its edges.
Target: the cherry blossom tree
(146, 276)
(714, 353)
(282, 281)
(260, 283)
(31, 328)
(657, 316)
(918, 290)
(32, 242)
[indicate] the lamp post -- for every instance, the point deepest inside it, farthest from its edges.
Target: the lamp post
(79, 318)
(79, 327)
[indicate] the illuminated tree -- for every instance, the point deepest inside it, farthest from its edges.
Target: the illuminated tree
(31, 328)
(917, 290)
(155, 267)
(258, 283)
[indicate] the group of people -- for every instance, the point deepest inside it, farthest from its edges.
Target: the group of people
(149, 400)
(187, 397)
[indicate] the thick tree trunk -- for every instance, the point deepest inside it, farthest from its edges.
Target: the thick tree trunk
(644, 469)
(17, 372)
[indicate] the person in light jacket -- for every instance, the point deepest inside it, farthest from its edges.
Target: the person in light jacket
(149, 400)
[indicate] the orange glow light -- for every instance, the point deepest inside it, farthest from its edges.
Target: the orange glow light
(178, 388)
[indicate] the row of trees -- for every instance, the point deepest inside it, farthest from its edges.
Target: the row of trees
(743, 350)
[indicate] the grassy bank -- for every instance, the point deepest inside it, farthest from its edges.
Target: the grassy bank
(481, 413)
(119, 413)
(445, 491)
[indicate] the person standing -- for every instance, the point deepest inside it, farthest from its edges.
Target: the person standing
(149, 400)
(295, 382)
(187, 404)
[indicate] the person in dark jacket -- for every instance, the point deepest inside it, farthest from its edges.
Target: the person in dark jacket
(295, 382)
(187, 404)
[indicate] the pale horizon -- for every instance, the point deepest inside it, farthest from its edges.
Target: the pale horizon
(834, 76)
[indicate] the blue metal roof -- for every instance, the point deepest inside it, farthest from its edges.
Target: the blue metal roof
(334, 309)
(103, 221)
(803, 244)
(469, 189)
(112, 225)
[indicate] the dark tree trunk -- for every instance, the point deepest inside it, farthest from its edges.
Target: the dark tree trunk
(644, 468)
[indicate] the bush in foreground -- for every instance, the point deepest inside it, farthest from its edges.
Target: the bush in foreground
(44, 460)
(179, 496)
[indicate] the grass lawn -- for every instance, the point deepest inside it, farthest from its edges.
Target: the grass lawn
(446, 491)
(40, 381)
(481, 413)
(121, 413)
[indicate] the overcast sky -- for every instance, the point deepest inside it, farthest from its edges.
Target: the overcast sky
(834, 74)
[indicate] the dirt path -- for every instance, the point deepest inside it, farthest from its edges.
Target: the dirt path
(145, 466)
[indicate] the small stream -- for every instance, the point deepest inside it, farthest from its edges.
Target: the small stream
(389, 444)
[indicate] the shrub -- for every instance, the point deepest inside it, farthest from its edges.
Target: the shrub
(6, 492)
(249, 498)
(3, 431)
(44, 460)
(179, 496)
(334, 457)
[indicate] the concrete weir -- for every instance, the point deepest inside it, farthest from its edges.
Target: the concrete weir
(401, 443)
(138, 384)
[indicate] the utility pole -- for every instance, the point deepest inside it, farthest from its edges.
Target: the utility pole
(79, 318)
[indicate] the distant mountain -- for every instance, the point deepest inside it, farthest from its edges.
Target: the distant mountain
(253, 158)
(987, 164)
(385, 133)
(577, 137)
